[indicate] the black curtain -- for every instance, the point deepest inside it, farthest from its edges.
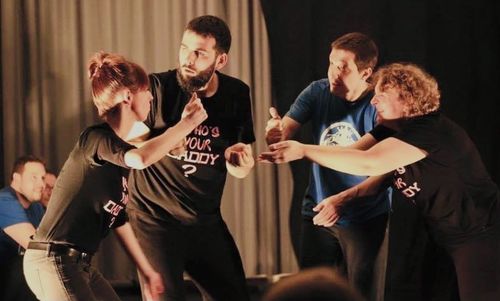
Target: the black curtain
(456, 41)
(2, 176)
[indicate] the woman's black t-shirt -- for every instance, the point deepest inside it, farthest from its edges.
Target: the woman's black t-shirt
(90, 193)
(450, 186)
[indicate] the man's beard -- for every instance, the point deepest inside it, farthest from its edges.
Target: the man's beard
(195, 83)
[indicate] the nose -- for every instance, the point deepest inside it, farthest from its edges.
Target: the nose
(374, 100)
(333, 73)
(190, 58)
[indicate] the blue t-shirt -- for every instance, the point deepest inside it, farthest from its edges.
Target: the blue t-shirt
(336, 121)
(11, 213)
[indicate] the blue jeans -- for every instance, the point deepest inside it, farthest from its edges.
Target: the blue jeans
(63, 277)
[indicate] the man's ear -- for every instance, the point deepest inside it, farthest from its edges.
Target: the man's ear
(16, 178)
(366, 73)
(221, 61)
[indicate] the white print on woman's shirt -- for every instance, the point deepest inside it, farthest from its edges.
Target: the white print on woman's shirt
(339, 133)
(408, 190)
(199, 149)
(114, 208)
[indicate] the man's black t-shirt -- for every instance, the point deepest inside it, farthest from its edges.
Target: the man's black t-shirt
(189, 187)
(90, 193)
(450, 186)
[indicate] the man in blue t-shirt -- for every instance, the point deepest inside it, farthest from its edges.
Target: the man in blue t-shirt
(340, 112)
(20, 214)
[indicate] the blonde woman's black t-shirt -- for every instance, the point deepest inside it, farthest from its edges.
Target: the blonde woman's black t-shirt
(451, 186)
(90, 193)
(189, 187)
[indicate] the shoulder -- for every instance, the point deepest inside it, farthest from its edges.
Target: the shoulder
(427, 132)
(317, 89)
(95, 132)
(164, 76)
(7, 195)
(321, 84)
(232, 83)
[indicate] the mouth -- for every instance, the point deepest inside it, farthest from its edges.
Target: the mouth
(188, 71)
(336, 83)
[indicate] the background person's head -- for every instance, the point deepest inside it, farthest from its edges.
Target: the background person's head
(27, 178)
(114, 80)
(316, 284)
(204, 48)
(404, 91)
(353, 58)
(50, 181)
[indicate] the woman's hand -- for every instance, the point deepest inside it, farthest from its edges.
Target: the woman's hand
(282, 152)
(153, 286)
(329, 210)
(194, 113)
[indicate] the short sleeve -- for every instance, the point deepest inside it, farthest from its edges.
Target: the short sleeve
(103, 145)
(245, 132)
(11, 213)
(301, 109)
(420, 133)
(120, 220)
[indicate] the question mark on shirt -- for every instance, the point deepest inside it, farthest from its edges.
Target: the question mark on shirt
(188, 169)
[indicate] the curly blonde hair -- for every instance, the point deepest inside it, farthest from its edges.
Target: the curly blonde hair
(417, 89)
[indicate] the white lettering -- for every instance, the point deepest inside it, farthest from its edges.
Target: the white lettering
(399, 183)
(411, 190)
(198, 144)
(400, 170)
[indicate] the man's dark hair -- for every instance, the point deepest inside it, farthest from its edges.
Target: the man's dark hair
(211, 26)
(21, 162)
(362, 46)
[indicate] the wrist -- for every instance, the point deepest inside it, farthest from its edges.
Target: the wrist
(187, 124)
(303, 151)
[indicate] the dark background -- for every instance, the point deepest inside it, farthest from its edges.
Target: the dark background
(458, 42)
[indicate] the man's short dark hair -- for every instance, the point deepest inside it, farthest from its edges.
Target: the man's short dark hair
(362, 46)
(211, 26)
(21, 162)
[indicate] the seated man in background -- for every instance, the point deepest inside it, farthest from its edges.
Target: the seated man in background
(50, 181)
(20, 214)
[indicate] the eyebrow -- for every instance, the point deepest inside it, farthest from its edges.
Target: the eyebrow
(197, 49)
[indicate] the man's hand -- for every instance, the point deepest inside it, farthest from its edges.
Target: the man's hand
(274, 127)
(193, 112)
(282, 152)
(239, 160)
(239, 155)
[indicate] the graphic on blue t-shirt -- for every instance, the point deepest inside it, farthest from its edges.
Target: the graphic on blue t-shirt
(339, 133)
(336, 122)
